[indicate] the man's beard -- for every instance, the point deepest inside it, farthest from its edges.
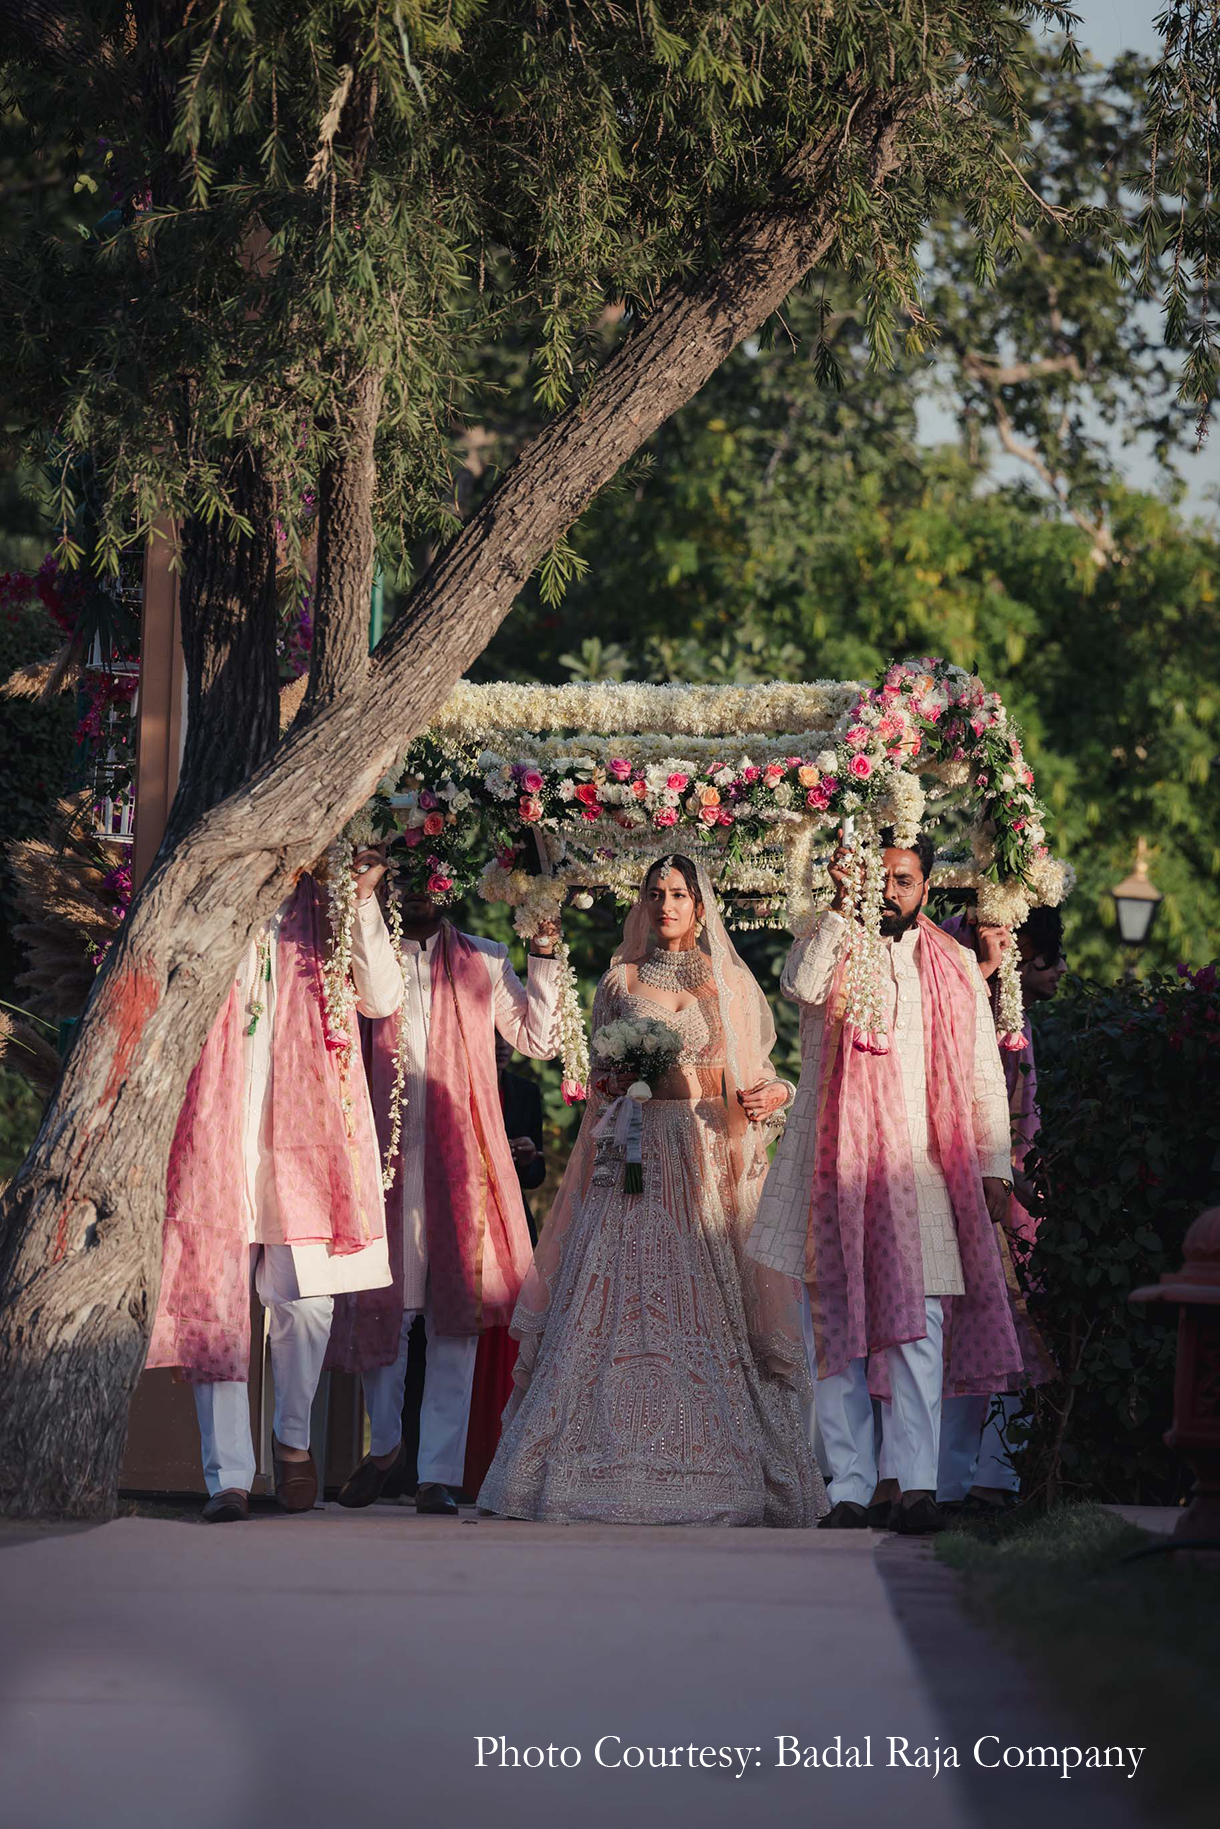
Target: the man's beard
(894, 925)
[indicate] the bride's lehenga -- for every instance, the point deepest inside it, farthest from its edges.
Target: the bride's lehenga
(662, 1375)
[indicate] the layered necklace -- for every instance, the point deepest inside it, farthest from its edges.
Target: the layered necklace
(666, 971)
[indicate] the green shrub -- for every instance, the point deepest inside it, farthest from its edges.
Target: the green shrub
(1129, 1089)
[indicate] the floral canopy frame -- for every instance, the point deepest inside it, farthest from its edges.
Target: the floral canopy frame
(534, 795)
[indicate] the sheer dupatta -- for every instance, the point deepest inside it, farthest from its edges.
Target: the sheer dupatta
(773, 1301)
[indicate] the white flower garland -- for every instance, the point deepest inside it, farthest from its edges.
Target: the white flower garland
(393, 913)
(608, 708)
(338, 992)
(745, 777)
(865, 1012)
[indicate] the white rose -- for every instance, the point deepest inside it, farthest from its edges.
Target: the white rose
(649, 1043)
(723, 776)
(828, 762)
(783, 794)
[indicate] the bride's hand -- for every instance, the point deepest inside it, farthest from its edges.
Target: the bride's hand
(759, 1102)
(613, 1085)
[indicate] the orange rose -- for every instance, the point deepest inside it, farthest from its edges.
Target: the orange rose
(434, 825)
(709, 797)
(808, 776)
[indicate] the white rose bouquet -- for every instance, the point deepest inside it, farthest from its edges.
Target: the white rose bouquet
(646, 1049)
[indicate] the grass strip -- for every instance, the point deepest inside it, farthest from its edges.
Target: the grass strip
(1131, 1651)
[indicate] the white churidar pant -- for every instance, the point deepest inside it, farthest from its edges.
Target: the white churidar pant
(444, 1415)
(973, 1448)
(298, 1329)
(910, 1429)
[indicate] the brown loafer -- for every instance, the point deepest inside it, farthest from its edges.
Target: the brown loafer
(226, 1507)
(369, 1480)
(296, 1482)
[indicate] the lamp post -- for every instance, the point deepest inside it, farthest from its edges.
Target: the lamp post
(1136, 900)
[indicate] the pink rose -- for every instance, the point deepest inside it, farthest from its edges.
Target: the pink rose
(530, 808)
(639, 790)
(817, 797)
(531, 781)
(794, 761)
(858, 737)
(751, 773)
(412, 836)
(889, 727)
(506, 858)
(678, 782)
(586, 793)
(724, 817)
(709, 816)
(619, 768)
(774, 775)
(665, 816)
(438, 884)
(434, 825)
(590, 812)
(573, 1091)
(860, 766)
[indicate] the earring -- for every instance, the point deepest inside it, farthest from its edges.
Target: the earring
(698, 927)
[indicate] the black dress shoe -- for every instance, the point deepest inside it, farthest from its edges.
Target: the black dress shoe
(879, 1516)
(226, 1507)
(921, 1518)
(369, 1480)
(436, 1500)
(845, 1516)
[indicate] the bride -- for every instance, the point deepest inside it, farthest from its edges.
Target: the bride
(661, 1376)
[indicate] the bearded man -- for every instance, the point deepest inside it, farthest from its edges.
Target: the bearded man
(883, 1197)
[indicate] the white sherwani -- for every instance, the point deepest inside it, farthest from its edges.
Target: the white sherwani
(779, 1235)
(911, 1425)
(526, 1018)
(379, 991)
(295, 1283)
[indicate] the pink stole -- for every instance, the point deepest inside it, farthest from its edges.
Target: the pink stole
(478, 1238)
(864, 1262)
(326, 1180)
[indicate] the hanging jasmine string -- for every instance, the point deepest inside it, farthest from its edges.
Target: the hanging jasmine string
(262, 976)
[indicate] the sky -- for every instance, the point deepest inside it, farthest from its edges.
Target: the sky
(1107, 28)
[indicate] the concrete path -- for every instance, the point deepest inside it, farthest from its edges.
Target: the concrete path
(337, 1668)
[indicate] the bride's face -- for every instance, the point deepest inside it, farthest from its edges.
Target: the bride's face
(672, 909)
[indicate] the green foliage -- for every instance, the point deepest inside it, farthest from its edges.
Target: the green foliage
(1123, 1652)
(1129, 1085)
(20, 1116)
(35, 753)
(236, 235)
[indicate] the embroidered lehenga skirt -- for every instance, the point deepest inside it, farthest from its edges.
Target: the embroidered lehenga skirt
(666, 1388)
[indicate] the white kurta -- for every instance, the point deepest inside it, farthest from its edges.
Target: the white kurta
(779, 1235)
(527, 1021)
(379, 991)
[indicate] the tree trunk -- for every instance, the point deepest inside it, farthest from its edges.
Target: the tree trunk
(229, 616)
(83, 1218)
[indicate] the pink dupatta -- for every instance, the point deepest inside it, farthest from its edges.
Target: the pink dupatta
(864, 1262)
(326, 1180)
(478, 1238)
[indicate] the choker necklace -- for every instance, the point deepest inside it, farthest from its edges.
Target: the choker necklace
(666, 971)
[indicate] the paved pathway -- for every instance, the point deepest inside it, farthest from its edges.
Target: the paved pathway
(336, 1669)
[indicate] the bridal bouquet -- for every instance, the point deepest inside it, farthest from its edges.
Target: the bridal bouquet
(647, 1049)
